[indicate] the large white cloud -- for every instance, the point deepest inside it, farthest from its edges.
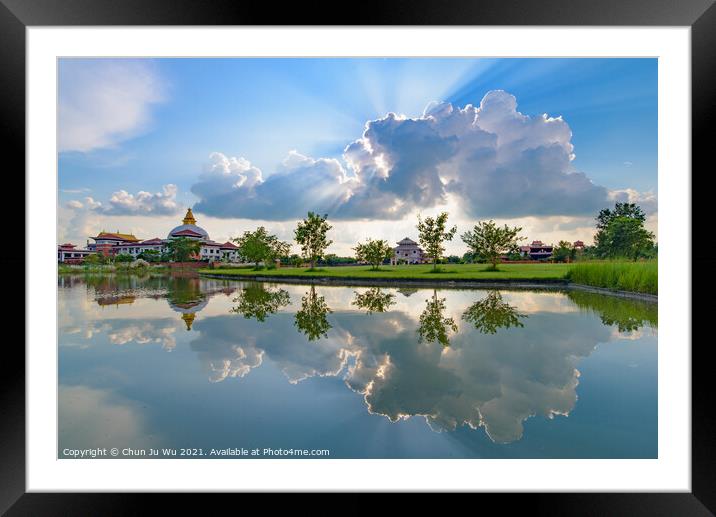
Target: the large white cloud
(122, 202)
(491, 159)
(103, 102)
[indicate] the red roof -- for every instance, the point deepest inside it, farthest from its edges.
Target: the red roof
(155, 240)
(187, 232)
(67, 245)
(229, 245)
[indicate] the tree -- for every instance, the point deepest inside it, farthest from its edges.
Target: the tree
(277, 249)
(374, 252)
(182, 249)
(310, 234)
(123, 258)
(564, 252)
(150, 255)
(625, 237)
(489, 241)
(258, 246)
(621, 232)
(432, 234)
(94, 259)
(630, 210)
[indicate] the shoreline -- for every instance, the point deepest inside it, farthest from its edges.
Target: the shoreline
(539, 283)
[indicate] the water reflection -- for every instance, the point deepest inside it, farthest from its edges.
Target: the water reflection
(482, 359)
(374, 300)
(434, 326)
(312, 318)
(628, 316)
(257, 302)
(491, 313)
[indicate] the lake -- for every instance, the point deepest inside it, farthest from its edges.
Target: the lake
(182, 366)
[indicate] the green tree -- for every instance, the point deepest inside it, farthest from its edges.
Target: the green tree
(432, 234)
(123, 258)
(259, 246)
(491, 313)
(564, 252)
(374, 300)
(310, 234)
(94, 259)
(255, 301)
(312, 318)
(374, 252)
(433, 325)
(489, 241)
(182, 249)
(150, 255)
(630, 210)
(621, 233)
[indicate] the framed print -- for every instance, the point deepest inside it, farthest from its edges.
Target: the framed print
(322, 257)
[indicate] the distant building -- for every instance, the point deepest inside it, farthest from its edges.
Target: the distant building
(537, 251)
(408, 251)
(70, 254)
(578, 245)
(111, 244)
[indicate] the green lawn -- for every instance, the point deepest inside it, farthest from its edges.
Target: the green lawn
(447, 272)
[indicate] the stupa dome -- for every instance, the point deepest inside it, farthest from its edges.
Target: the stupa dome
(189, 229)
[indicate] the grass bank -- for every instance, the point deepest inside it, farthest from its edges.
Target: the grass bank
(416, 272)
(637, 277)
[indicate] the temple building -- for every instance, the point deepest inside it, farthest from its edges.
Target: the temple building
(409, 252)
(111, 244)
(537, 251)
(71, 254)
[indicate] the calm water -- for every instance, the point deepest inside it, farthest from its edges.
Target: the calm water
(170, 363)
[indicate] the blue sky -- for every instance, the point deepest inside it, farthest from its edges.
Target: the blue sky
(131, 126)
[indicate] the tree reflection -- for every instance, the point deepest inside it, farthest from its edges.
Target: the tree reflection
(433, 325)
(312, 319)
(492, 313)
(374, 300)
(257, 302)
(628, 315)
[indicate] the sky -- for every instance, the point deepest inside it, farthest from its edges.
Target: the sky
(543, 144)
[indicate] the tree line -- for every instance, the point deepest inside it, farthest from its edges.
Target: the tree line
(621, 234)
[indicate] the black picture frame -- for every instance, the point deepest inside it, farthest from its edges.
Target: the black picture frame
(700, 15)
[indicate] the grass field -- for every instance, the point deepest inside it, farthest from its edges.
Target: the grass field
(447, 272)
(638, 277)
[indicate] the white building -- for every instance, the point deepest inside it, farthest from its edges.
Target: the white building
(127, 244)
(408, 252)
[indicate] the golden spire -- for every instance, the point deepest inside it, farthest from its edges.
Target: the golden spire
(188, 318)
(189, 217)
